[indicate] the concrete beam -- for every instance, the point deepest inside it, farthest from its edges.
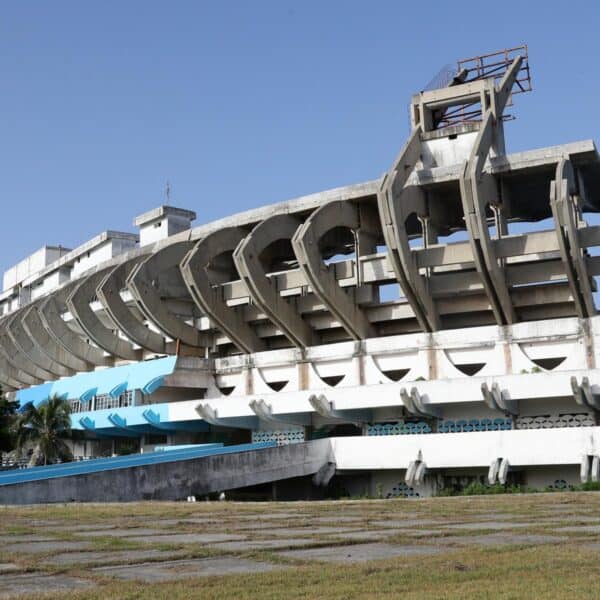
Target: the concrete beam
(13, 377)
(418, 405)
(265, 413)
(50, 311)
(326, 409)
(283, 312)
(109, 294)
(306, 243)
(78, 303)
(201, 270)
(211, 415)
(17, 358)
(24, 342)
(497, 399)
(149, 284)
(56, 352)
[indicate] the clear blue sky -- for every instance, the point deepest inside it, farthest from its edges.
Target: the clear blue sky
(241, 104)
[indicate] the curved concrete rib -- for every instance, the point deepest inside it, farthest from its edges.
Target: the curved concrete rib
(393, 210)
(50, 311)
(143, 283)
(562, 190)
(27, 346)
(198, 269)
(341, 303)
(283, 312)
(477, 190)
(10, 377)
(17, 358)
(109, 294)
(32, 323)
(12, 372)
(78, 303)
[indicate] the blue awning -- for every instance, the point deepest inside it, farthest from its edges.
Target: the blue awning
(146, 376)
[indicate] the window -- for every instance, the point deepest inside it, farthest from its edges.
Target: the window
(105, 402)
(78, 406)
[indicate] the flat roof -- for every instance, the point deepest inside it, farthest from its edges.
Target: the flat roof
(162, 211)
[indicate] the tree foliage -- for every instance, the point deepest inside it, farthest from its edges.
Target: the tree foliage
(8, 415)
(44, 429)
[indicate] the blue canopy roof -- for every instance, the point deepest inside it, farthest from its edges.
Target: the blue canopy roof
(146, 376)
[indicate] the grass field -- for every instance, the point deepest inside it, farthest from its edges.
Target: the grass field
(506, 546)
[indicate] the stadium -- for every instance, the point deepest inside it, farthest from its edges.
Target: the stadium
(415, 333)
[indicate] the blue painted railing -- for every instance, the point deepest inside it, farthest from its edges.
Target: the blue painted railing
(122, 462)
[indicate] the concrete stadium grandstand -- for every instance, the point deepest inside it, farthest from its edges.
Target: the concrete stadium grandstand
(429, 328)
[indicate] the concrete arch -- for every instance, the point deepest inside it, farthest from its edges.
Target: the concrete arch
(199, 272)
(10, 377)
(144, 282)
(29, 348)
(283, 312)
(395, 204)
(109, 294)
(78, 303)
(564, 211)
(11, 371)
(341, 303)
(32, 323)
(50, 311)
(17, 358)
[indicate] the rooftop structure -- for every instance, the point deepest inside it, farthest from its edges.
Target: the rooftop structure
(424, 302)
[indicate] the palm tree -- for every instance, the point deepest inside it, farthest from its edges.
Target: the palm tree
(8, 411)
(44, 428)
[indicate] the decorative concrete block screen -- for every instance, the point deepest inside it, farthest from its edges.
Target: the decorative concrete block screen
(402, 490)
(399, 428)
(281, 437)
(463, 425)
(551, 421)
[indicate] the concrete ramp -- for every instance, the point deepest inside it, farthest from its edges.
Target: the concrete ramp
(173, 478)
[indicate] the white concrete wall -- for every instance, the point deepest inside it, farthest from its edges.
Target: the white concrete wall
(522, 448)
(32, 264)
(105, 251)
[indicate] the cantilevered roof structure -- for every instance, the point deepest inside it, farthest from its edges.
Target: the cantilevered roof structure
(426, 301)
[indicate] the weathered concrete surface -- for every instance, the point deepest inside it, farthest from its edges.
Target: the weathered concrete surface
(307, 531)
(35, 583)
(44, 547)
(111, 557)
(360, 552)
(8, 568)
(501, 539)
(153, 572)
(487, 525)
(187, 538)
(176, 480)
